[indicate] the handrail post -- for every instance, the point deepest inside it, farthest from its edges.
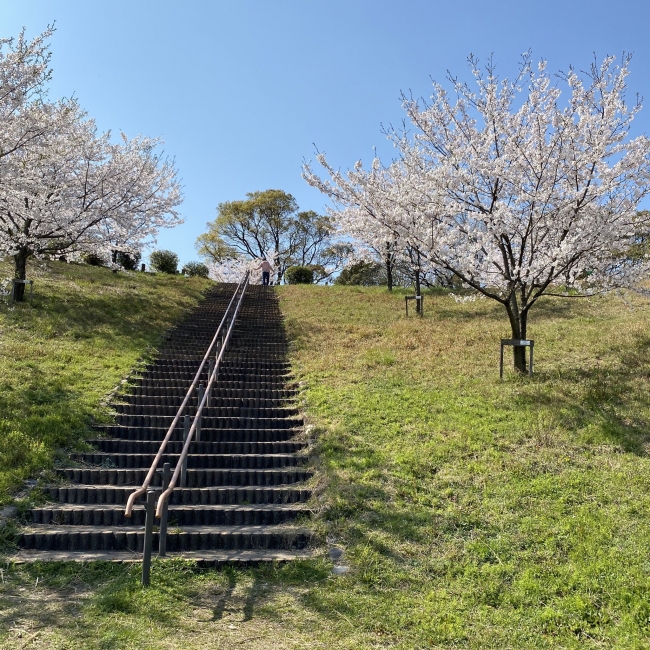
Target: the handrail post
(186, 432)
(197, 435)
(148, 534)
(162, 545)
(210, 371)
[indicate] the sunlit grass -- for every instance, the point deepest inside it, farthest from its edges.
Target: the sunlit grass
(62, 354)
(473, 512)
(480, 512)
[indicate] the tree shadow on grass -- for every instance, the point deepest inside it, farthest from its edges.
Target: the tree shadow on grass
(41, 418)
(550, 308)
(607, 397)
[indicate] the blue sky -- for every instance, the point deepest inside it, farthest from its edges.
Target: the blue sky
(241, 90)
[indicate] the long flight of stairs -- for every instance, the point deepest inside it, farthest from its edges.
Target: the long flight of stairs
(245, 495)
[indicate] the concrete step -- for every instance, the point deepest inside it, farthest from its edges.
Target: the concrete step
(170, 385)
(194, 461)
(195, 477)
(213, 411)
(118, 494)
(223, 436)
(216, 402)
(175, 446)
(232, 422)
(236, 389)
(202, 558)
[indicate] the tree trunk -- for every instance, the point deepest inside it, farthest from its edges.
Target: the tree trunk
(518, 322)
(277, 261)
(389, 268)
(20, 273)
(418, 288)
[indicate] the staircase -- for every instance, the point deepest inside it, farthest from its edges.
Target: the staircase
(245, 493)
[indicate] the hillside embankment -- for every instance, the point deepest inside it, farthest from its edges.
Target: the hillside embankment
(61, 354)
(471, 512)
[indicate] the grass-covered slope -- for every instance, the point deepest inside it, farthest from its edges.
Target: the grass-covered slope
(61, 355)
(476, 512)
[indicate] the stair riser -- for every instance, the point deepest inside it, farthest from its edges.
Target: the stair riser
(277, 380)
(144, 461)
(195, 478)
(227, 389)
(178, 515)
(175, 447)
(237, 390)
(214, 436)
(164, 422)
(183, 541)
(216, 403)
(209, 412)
(185, 496)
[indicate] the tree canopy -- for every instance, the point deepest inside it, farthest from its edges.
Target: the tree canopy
(268, 224)
(507, 189)
(64, 188)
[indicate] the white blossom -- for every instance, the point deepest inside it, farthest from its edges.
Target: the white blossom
(509, 190)
(64, 188)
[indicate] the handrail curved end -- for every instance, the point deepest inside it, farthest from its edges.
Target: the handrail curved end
(161, 501)
(132, 497)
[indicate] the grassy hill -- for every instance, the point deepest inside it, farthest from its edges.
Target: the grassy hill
(477, 512)
(473, 512)
(61, 355)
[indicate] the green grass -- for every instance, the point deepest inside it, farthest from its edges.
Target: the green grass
(474, 513)
(61, 355)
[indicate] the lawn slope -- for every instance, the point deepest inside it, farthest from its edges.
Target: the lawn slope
(473, 513)
(61, 355)
(477, 512)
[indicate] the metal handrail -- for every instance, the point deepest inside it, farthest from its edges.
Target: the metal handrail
(197, 418)
(241, 288)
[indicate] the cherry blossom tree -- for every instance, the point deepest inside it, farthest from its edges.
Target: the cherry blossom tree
(232, 269)
(515, 194)
(24, 71)
(374, 214)
(71, 191)
(64, 188)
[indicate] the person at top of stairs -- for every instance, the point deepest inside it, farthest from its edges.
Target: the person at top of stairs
(266, 271)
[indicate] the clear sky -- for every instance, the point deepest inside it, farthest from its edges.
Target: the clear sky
(242, 90)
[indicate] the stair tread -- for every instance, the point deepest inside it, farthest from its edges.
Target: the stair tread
(208, 556)
(261, 507)
(269, 470)
(137, 453)
(244, 528)
(109, 486)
